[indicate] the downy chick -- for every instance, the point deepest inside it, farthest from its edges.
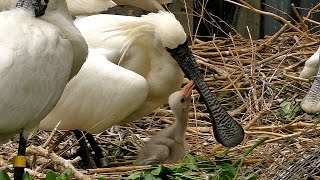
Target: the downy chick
(169, 145)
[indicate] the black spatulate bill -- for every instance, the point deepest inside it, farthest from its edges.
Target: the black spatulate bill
(227, 131)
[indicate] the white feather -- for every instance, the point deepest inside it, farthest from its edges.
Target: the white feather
(76, 7)
(7, 4)
(140, 44)
(101, 95)
(36, 60)
(311, 65)
(90, 7)
(148, 5)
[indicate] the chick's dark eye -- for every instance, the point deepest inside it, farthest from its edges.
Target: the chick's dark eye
(182, 100)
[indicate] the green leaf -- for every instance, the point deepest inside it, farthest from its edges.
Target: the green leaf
(4, 175)
(191, 162)
(176, 178)
(51, 175)
(65, 175)
(289, 110)
(157, 171)
(68, 172)
(186, 177)
(175, 166)
(226, 171)
(230, 168)
(102, 178)
(178, 169)
(149, 176)
(200, 158)
(135, 176)
(26, 176)
(251, 176)
(221, 155)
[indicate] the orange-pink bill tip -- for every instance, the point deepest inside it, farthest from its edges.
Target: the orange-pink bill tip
(187, 89)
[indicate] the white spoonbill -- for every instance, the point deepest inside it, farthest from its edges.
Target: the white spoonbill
(155, 47)
(169, 145)
(36, 62)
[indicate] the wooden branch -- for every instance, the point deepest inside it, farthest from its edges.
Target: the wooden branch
(279, 18)
(40, 151)
(118, 169)
(303, 25)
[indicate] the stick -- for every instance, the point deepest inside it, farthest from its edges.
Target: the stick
(51, 135)
(274, 37)
(40, 151)
(36, 174)
(279, 18)
(313, 9)
(303, 25)
(284, 72)
(117, 169)
(265, 132)
(284, 137)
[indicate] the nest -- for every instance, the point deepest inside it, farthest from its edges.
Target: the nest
(256, 80)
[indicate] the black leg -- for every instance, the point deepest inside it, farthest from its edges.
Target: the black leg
(84, 150)
(19, 161)
(100, 160)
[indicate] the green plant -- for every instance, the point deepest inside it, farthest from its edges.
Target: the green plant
(65, 175)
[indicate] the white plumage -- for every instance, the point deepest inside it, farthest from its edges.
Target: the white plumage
(32, 75)
(76, 7)
(311, 66)
(148, 5)
(7, 4)
(90, 7)
(36, 58)
(101, 95)
(136, 44)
